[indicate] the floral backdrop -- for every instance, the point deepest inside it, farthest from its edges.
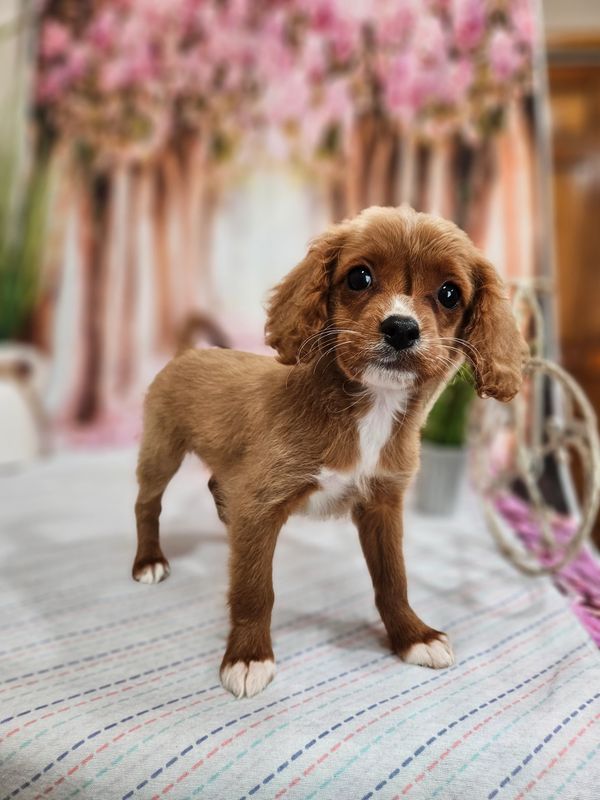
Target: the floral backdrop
(180, 153)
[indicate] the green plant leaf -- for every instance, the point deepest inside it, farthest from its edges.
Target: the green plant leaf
(447, 420)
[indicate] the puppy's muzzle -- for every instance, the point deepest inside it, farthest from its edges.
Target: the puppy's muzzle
(400, 332)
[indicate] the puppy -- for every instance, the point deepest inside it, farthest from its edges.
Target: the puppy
(368, 328)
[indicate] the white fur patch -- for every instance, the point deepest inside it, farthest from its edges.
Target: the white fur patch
(401, 306)
(333, 486)
(390, 379)
(247, 680)
(153, 573)
(436, 654)
(374, 430)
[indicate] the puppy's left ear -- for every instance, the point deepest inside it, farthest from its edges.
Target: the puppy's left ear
(497, 347)
(298, 306)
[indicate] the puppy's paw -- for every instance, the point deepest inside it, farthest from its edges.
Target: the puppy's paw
(153, 572)
(244, 679)
(436, 653)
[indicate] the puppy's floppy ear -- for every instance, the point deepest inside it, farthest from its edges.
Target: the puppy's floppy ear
(298, 306)
(498, 349)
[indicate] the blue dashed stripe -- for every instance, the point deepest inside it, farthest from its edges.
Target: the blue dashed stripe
(540, 746)
(438, 677)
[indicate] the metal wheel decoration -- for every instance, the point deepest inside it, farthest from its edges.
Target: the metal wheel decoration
(551, 421)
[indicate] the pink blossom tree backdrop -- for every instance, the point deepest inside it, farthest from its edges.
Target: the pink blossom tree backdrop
(156, 108)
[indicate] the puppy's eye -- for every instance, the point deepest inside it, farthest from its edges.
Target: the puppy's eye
(359, 278)
(449, 295)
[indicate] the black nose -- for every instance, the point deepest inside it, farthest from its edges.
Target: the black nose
(400, 332)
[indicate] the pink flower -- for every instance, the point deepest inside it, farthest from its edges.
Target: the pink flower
(338, 102)
(104, 29)
(439, 5)
(323, 14)
(427, 86)
(115, 75)
(398, 81)
(459, 79)
(55, 40)
(143, 67)
(504, 58)
(192, 72)
(274, 56)
(287, 100)
(470, 22)
(52, 84)
(313, 56)
(78, 61)
(394, 30)
(237, 11)
(313, 124)
(344, 38)
(523, 22)
(429, 40)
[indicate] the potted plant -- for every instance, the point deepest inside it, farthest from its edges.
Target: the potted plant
(443, 451)
(21, 238)
(23, 214)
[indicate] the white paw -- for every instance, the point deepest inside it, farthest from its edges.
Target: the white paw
(437, 653)
(153, 573)
(246, 680)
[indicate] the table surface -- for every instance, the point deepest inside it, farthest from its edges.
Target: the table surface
(109, 689)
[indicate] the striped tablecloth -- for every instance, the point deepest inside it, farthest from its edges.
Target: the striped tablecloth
(109, 689)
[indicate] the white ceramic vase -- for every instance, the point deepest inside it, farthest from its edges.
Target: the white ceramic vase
(21, 416)
(440, 478)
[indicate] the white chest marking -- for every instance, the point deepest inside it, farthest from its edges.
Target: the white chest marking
(374, 430)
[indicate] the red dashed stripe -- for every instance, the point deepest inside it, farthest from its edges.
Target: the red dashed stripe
(435, 689)
(432, 766)
(285, 710)
(561, 753)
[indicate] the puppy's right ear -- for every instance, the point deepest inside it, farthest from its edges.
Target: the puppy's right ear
(298, 306)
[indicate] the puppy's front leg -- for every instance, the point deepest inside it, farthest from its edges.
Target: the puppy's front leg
(248, 664)
(379, 523)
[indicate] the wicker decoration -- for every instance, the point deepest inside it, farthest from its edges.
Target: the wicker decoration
(515, 443)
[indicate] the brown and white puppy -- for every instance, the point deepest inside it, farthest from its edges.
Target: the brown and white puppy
(368, 328)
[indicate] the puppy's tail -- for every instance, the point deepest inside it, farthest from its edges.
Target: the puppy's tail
(199, 324)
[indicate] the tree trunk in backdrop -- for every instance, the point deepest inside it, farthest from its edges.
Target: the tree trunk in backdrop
(382, 164)
(185, 196)
(516, 171)
(94, 232)
(174, 274)
(447, 176)
(188, 152)
(208, 300)
(336, 194)
(479, 189)
(160, 216)
(127, 345)
(361, 147)
(367, 174)
(420, 187)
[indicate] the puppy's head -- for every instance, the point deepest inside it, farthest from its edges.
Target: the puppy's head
(398, 297)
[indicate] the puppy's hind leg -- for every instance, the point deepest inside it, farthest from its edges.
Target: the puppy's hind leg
(160, 458)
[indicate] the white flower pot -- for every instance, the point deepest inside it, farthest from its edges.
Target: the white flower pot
(440, 478)
(21, 416)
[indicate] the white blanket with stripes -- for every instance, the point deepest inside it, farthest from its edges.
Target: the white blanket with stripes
(109, 689)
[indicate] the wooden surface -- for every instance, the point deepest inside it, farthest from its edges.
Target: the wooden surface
(574, 73)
